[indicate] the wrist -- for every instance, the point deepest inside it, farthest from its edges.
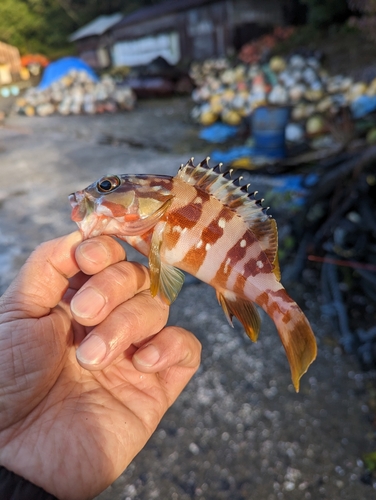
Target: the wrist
(15, 487)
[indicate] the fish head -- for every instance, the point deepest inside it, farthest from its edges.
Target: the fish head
(121, 205)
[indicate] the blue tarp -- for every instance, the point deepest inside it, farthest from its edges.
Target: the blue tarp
(219, 132)
(58, 69)
(363, 105)
(231, 154)
(295, 186)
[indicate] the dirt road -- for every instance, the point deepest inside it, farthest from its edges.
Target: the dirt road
(239, 431)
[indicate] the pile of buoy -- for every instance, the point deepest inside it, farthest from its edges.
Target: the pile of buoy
(76, 93)
(229, 93)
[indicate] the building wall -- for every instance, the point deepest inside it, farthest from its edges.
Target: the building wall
(253, 18)
(203, 31)
(258, 11)
(148, 27)
(95, 50)
(215, 29)
(11, 56)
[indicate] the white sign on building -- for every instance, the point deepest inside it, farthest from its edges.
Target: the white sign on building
(146, 49)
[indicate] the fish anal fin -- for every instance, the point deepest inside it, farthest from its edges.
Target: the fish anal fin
(165, 280)
(244, 310)
(223, 304)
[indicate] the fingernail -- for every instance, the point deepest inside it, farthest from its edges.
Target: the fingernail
(93, 251)
(147, 356)
(88, 303)
(92, 350)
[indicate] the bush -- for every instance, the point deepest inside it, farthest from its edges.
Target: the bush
(323, 13)
(365, 18)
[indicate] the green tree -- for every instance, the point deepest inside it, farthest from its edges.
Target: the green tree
(323, 13)
(365, 20)
(34, 25)
(44, 25)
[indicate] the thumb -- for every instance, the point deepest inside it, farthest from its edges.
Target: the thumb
(43, 279)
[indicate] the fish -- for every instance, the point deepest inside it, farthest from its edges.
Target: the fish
(204, 222)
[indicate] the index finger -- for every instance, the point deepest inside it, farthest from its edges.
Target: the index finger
(43, 279)
(96, 254)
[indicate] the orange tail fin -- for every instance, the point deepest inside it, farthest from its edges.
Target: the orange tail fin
(296, 335)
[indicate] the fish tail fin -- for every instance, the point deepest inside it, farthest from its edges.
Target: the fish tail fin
(296, 335)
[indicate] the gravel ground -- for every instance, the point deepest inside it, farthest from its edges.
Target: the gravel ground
(238, 431)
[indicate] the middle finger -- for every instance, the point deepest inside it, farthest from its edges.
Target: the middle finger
(104, 291)
(132, 322)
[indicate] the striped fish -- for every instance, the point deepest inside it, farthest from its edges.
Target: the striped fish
(202, 222)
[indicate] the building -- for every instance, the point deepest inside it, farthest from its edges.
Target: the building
(94, 41)
(180, 31)
(186, 30)
(10, 63)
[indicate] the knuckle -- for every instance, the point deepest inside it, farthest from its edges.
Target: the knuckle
(133, 274)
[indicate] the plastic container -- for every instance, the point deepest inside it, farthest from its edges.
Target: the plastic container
(268, 130)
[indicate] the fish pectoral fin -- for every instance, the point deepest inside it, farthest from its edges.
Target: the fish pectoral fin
(243, 310)
(141, 226)
(165, 280)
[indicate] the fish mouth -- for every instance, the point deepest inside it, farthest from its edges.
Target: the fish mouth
(79, 206)
(83, 213)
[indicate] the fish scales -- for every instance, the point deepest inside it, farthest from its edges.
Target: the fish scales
(205, 223)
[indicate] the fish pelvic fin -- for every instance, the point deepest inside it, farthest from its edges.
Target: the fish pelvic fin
(296, 335)
(166, 280)
(243, 310)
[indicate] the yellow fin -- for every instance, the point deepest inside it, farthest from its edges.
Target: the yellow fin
(170, 283)
(297, 338)
(275, 261)
(302, 351)
(165, 280)
(244, 311)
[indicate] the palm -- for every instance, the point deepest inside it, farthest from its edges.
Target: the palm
(99, 419)
(73, 429)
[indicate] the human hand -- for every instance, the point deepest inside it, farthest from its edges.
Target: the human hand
(72, 424)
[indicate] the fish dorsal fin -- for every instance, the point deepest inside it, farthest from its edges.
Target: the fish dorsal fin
(235, 196)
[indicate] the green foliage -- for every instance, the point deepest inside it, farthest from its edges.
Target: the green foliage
(322, 13)
(370, 461)
(33, 25)
(45, 25)
(363, 6)
(365, 20)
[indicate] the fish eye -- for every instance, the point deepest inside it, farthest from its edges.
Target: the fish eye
(107, 184)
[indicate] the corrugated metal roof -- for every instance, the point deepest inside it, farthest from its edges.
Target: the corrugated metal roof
(97, 27)
(168, 7)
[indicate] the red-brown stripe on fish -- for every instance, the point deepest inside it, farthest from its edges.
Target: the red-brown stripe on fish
(202, 222)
